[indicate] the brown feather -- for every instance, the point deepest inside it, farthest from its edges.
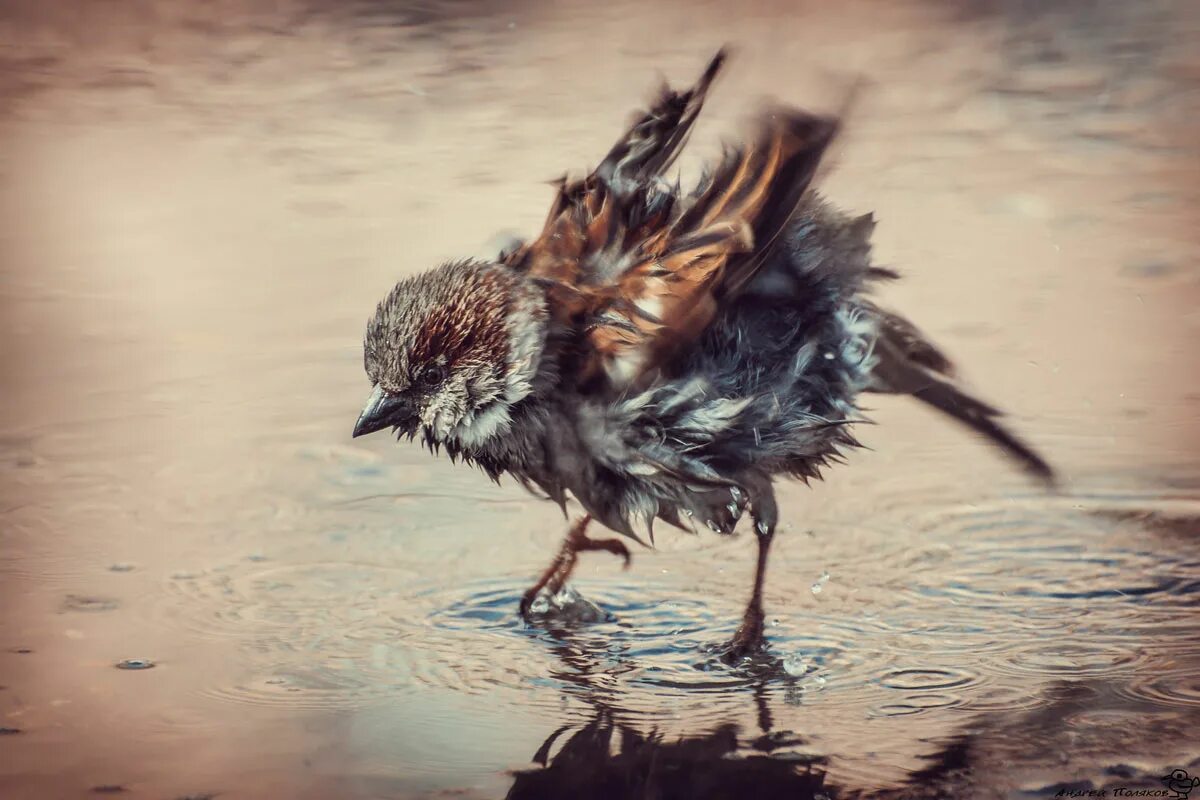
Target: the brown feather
(648, 274)
(717, 243)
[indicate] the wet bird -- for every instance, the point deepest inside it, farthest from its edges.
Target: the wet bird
(659, 354)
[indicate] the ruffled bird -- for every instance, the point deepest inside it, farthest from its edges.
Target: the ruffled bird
(658, 354)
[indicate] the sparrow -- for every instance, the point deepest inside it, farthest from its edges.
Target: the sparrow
(660, 354)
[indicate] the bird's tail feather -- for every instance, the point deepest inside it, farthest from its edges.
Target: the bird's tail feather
(898, 372)
(983, 419)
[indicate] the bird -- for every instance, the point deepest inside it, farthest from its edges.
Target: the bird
(661, 354)
(1179, 782)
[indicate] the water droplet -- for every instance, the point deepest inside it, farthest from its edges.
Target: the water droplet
(77, 602)
(732, 509)
(761, 527)
(735, 492)
(566, 596)
(795, 665)
(820, 584)
(688, 512)
(829, 356)
(712, 526)
(135, 663)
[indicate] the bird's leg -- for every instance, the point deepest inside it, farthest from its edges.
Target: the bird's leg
(560, 569)
(563, 560)
(749, 637)
(582, 544)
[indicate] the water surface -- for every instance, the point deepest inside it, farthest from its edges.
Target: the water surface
(200, 207)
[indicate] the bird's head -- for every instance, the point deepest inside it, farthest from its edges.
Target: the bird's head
(450, 352)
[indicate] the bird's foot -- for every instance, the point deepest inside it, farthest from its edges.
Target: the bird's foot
(749, 639)
(614, 546)
(525, 608)
(564, 607)
(553, 582)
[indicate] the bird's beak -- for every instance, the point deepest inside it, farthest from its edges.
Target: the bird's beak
(382, 411)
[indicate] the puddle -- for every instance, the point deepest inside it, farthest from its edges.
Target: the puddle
(198, 211)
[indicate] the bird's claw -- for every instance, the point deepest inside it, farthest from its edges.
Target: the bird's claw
(559, 572)
(525, 605)
(749, 638)
(614, 546)
(618, 548)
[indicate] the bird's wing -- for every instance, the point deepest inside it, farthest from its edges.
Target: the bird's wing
(657, 136)
(593, 218)
(639, 271)
(716, 241)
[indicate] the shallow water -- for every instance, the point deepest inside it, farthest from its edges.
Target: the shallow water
(200, 207)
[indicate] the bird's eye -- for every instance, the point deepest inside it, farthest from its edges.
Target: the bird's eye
(432, 375)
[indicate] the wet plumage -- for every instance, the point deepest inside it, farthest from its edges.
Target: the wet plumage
(662, 355)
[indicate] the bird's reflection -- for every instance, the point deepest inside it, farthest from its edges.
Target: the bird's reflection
(1059, 741)
(610, 757)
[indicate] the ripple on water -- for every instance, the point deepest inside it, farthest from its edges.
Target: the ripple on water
(660, 642)
(641, 631)
(927, 678)
(256, 600)
(1069, 659)
(1051, 559)
(318, 685)
(309, 629)
(1035, 592)
(1176, 687)
(915, 704)
(923, 688)
(995, 696)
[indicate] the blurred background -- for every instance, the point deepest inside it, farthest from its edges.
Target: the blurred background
(208, 590)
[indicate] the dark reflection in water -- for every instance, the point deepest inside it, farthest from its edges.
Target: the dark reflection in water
(609, 757)
(1085, 736)
(589, 763)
